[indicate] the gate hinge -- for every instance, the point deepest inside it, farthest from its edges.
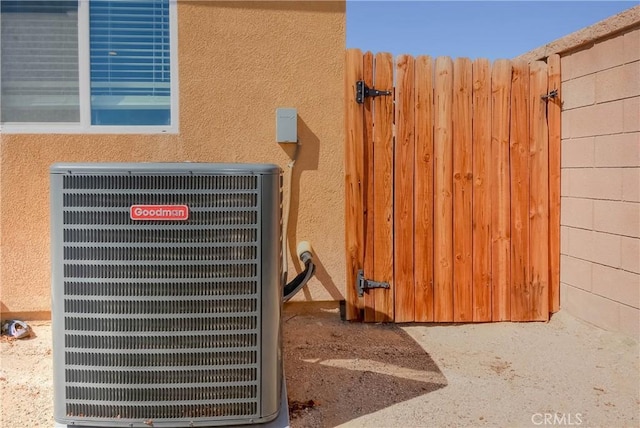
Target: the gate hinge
(551, 94)
(363, 91)
(365, 284)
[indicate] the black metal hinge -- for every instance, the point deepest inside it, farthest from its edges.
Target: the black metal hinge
(363, 91)
(365, 284)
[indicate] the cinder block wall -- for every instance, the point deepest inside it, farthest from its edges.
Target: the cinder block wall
(600, 217)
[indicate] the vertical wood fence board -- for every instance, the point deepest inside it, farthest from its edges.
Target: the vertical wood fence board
(443, 188)
(554, 110)
(383, 188)
(519, 170)
(500, 203)
(539, 193)
(481, 190)
(368, 187)
(424, 189)
(403, 196)
(353, 178)
(462, 191)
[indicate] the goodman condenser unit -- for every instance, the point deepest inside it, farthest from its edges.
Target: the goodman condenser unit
(166, 294)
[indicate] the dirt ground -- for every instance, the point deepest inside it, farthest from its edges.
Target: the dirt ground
(564, 372)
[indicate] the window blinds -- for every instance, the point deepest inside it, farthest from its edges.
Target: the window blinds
(39, 61)
(130, 62)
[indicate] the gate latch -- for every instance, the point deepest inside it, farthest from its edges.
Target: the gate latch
(365, 284)
(363, 91)
(552, 94)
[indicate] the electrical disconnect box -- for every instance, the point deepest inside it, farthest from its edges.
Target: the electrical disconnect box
(287, 125)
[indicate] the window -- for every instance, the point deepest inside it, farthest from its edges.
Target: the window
(88, 66)
(39, 61)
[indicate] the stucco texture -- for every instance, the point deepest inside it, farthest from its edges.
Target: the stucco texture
(238, 62)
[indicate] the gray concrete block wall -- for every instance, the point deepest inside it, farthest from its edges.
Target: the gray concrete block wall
(600, 207)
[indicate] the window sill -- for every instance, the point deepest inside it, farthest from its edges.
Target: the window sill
(74, 128)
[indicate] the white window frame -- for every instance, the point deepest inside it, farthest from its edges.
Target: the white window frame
(85, 126)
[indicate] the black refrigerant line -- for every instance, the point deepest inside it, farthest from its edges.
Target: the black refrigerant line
(303, 277)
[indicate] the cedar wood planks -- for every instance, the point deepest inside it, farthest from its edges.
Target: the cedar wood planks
(500, 223)
(462, 191)
(383, 184)
(519, 171)
(471, 121)
(539, 193)
(403, 195)
(443, 189)
(424, 189)
(368, 189)
(353, 178)
(481, 190)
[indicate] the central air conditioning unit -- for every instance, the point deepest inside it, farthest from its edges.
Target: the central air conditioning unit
(166, 294)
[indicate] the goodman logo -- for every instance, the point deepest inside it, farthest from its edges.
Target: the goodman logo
(159, 212)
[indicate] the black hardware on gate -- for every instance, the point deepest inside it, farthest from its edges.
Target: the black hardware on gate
(363, 91)
(551, 94)
(365, 284)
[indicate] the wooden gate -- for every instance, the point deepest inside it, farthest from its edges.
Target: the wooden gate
(452, 189)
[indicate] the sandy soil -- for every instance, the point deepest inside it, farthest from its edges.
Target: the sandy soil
(366, 375)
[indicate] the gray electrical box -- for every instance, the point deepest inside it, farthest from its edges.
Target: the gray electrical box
(286, 125)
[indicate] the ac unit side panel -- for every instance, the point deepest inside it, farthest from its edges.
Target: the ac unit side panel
(272, 294)
(170, 321)
(57, 297)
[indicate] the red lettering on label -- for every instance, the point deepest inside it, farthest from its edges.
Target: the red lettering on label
(159, 212)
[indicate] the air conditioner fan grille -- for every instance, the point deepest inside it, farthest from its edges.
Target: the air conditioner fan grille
(161, 317)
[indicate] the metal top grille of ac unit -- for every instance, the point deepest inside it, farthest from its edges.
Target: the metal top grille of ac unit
(165, 322)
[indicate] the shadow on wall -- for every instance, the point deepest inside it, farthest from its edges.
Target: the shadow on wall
(349, 369)
(308, 156)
